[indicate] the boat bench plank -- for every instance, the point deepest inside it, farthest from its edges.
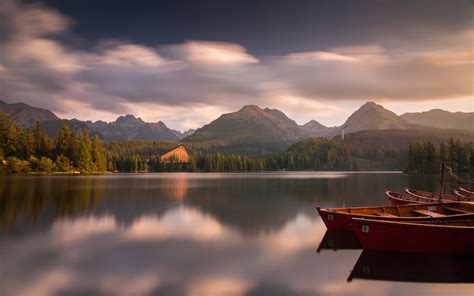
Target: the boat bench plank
(459, 210)
(429, 213)
(385, 215)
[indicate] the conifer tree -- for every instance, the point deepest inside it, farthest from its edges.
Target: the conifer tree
(84, 155)
(41, 141)
(98, 155)
(11, 141)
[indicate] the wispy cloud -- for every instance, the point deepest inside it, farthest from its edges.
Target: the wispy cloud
(208, 78)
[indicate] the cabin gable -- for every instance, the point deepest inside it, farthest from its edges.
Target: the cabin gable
(179, 154)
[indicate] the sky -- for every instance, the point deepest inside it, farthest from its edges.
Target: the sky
(187, 62)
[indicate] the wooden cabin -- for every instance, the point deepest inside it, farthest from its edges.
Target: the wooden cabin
(178, 154)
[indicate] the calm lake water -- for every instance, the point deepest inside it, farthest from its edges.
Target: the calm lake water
(203, 234)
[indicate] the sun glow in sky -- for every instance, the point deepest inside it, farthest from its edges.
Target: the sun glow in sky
(185, 64)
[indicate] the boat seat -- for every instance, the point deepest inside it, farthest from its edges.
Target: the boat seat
(384, 215)
(460, 211)
(429, 213)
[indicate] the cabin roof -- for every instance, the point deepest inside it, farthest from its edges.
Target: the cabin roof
(174, 148)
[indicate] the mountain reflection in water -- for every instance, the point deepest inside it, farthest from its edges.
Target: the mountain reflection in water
(185, 234)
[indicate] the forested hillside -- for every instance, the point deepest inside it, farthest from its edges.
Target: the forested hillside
(31, 150)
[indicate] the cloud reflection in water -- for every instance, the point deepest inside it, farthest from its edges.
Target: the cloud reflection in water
(183, 252)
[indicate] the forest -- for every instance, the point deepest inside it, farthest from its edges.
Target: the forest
(426, 157)
(32, 151)
(24, 151)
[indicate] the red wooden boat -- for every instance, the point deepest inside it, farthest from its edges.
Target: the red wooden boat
(336, 218)
(431, 196)
(398, 199)
(411, 267)
(421, 197)
(440, 236)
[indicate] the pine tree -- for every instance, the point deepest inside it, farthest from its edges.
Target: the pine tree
(41, 141)
(98, 155)
(63, 141)
(3, 131)
(84, 156)
(12, 136)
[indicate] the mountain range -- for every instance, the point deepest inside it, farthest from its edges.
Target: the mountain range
(442, 119)
(126, 127)
(129, 127)
(250, 130)
(253, 130)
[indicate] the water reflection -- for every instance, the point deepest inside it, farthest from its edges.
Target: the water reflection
(412, 267)
(186, 234)
(339, 240)
(31, 199)
(252, 203)
(152, 255)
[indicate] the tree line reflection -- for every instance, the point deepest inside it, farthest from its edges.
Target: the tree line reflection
(252, 204)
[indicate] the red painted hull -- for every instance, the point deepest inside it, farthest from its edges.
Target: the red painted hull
(413, 237)
(338, 218)
(334, 220)
(429, 197)
(411, 197)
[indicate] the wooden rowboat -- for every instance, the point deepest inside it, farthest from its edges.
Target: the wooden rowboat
(437, 236)
(431, 196)
(399, 199)
(336, 218)
(412, 196)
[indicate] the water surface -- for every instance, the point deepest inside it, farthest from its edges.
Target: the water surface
(199, 234)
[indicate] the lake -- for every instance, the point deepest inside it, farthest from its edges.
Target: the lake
(203, 234)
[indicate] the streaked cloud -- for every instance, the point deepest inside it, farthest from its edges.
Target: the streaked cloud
(321, 55)
(213, 53)
(188, 84)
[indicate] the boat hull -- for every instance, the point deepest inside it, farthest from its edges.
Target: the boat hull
(397, 200)
(428, 197)
(337, 218)
(334, 220)
(412, 237)
(420, 197)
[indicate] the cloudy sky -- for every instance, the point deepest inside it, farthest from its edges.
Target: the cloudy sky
(187, 62)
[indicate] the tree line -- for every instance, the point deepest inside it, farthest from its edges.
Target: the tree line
(31, 150)
(426, 157)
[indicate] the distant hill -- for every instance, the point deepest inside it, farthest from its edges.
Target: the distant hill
(250, 130)
(25, 115)
(442, 119)
(182, 135)
(130, 127)
(363, 150)
(314, 129)
(52, 127)
(371, 116)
